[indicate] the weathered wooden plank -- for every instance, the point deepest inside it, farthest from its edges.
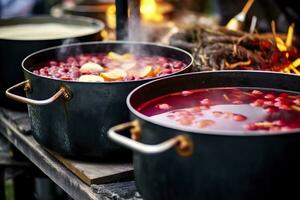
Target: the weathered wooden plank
(88, 172)
(97, 173)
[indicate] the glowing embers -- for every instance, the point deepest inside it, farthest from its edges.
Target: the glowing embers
(227, 109)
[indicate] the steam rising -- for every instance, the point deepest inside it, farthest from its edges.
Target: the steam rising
(67, 50)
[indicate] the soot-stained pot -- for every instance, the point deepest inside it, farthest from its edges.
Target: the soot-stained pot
(13, 51)
(173, 163)
(74, 121)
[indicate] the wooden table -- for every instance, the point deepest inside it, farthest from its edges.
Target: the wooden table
(13, 125)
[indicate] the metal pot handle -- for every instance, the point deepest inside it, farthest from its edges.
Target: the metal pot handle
(27, 87)
(182, 143)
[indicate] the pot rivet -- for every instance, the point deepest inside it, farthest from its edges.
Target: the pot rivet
(67, 94)
(135, 130)
(184, 146)
(27, 87)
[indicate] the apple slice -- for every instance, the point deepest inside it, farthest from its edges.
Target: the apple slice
(90, 78)
(91, 67)
(128, 65)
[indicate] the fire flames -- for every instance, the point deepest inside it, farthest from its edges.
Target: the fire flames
(150, 11)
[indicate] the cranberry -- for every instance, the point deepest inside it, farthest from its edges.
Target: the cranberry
(57, 75)
(186, 120)
(296, 101)
(71, 59)
(177, 65)
(205, 102)
(186, 93)
(166, 65)
(269, 96)
(258, 103)
(271, 110)
(283, 94)
(257, 92)
(164, 106)
(239, 117)
(285, 107)
(268, 103)
(53, 63)
(166, 71)
(251, 127)
(205, 123)
(282, 99)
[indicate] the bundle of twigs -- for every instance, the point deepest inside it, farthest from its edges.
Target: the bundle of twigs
(222, 49)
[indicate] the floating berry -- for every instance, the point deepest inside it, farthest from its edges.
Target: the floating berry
(257, 92)
(206, 102)
(239, 117)
(164, 106)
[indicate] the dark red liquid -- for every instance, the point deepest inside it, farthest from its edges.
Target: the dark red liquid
(227, 109)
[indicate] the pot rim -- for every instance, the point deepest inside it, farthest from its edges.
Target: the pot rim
(84, 8)
(108, 42)
(209, 132)
(98, 25)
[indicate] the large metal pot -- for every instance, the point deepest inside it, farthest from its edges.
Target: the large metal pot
(76, 117)
(13, 51)
(95, 9)
(211, 165)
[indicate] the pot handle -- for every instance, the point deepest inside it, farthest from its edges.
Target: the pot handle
(182, 143)
(27, 87)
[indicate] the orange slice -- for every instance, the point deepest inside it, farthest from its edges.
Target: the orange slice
(115, 56)
(91, 78)
(145, 72)
(115, 74)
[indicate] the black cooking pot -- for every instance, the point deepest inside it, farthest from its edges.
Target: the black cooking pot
(211, 165)
(74, 121)
(13, 51)
(95, 10)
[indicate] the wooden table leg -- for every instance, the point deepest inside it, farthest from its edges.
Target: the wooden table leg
(24, 182)
(2, 184)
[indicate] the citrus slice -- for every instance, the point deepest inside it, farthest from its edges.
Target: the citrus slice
(115, 56)
(115, 74)
(91, 78)
(145, 72)
(91, 67)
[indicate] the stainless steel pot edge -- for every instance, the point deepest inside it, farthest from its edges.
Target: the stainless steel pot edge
(207, 132)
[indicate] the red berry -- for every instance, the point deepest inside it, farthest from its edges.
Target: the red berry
(251, 127)
(239, 117)
(164, 106)
(258, 103)
(269, 96)
(257, 92)
(206, 102)
(297, 101)
(271, 110)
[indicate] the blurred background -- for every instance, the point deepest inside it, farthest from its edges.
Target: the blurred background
(163, 14)
(157, 19)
